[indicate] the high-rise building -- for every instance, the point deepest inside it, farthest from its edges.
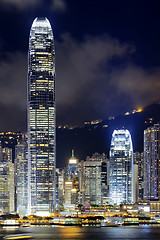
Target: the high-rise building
(152, 163)
(81, 175)
(95, 175)
(41, 118)
(68, 188)
(138, 159)
(72, 182)
(21, 178)
(73, 173)
(121, 167)
(60, 196)
(7, 184)
(4, 188)
(135, 185)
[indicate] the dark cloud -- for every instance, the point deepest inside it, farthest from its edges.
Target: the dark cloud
(55, 5)
(79, 63)
(58, 5)
(13, 79)
(142, 86)
(13, 82)
(21, 4)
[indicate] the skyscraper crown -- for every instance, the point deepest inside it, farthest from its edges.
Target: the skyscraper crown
(41, 25)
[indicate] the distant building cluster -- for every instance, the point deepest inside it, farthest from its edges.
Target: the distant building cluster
(126, 177)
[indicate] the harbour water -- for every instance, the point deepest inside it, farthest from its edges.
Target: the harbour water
(147, 232)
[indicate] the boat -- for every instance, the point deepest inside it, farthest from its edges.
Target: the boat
(131, 221)
(67, 221)
(18, 236)
(111, 222)
(10, 222)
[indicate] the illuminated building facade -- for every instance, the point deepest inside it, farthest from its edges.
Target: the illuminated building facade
(81, 173)
(41, 118)
(4, 191)
(121, 167)
(68, 188)
(21, 167)
(72, 181)
(138, 159)
(152, 163)
(60, 196)
(95, 178)
(73, 171)
(7, 184)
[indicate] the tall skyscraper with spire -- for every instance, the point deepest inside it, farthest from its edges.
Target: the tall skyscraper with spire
(41, 118)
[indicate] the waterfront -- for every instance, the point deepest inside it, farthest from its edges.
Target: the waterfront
(149, 232)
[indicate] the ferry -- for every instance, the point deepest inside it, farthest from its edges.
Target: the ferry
(109, 222)
(67, 221)
(131, 221)
(10, 222)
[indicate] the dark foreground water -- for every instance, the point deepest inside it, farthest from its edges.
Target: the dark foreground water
(88, 233)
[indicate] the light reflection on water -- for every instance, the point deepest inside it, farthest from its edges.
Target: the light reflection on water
(89, 233)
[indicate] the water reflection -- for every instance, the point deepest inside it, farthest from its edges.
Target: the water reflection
(89, 233)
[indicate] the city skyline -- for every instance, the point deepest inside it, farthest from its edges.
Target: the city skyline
(108, 50)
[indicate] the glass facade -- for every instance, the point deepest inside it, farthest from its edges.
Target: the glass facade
(7, 186)
(138, 159)
(21, 167)
(121, 167)
(151, 163)
(41, 117)
(95, 178)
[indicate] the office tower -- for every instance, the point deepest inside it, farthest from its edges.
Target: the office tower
(138, 159)
(41, 118)
(68, 188)
(81, 172)
(72, 181)
(4, 188)
(135, 185)
(95, 174)
(121, 167)
(60, 195)
(73, 171)
(21, 169)
(7, 184)
(105, 181)
(151, 163)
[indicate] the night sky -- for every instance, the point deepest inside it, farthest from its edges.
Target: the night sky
(107, 57)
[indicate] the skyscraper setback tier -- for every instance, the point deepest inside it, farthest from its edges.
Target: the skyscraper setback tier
(41, 118)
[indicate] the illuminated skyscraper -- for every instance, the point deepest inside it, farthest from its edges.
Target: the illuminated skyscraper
(138, 159)
(21, 169)
(41, 118)
(121, 167)
(7, 184)
(95, 174)
(151, 163)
